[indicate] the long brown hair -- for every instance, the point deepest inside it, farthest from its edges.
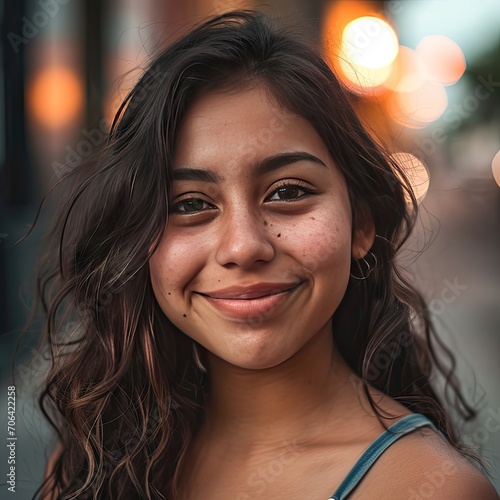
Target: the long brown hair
(124, 391)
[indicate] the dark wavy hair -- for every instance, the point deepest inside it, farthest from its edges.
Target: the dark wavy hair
(124, 391)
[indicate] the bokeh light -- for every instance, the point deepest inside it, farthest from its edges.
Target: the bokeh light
(416, 172)
(369, 46)
(55, 96)
(339, 13)
(419, 107)
(359, 44)
(363, 49)
(407, 74)
(495, 168)
(369, 42)
(441, 58)
(360, 79)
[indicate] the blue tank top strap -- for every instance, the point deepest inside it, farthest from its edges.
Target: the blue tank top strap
(372, 453)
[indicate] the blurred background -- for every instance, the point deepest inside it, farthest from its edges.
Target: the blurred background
(424, 77)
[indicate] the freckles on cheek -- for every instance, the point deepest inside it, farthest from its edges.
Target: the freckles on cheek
(321, 242)
(175, 263)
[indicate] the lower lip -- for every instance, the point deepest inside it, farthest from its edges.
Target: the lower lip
(247, 308)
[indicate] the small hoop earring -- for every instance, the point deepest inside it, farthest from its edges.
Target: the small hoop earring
(197, 360)
(382, 238)
(365, 273)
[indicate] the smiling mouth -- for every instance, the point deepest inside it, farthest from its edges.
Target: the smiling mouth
(257, 304)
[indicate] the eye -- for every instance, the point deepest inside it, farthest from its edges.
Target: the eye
(289, 191)
(190, 206)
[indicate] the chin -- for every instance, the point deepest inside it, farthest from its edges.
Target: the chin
(255, 365)
(256, 359)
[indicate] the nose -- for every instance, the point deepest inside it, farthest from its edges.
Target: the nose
(243, 240)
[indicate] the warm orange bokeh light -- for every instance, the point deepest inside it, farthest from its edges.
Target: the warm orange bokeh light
(495, 168)
(416, 172)
(363, 50)
(352, 59)
(442, 59)
(369, 46)
(55, 96)
(369, 42)
(406, 74)
(340, 13)
(418, 108)
(363, 80)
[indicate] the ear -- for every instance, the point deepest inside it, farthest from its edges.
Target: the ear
(363, 237)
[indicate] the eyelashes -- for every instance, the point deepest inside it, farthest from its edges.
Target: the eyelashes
(290, 190)
(190, 206)
(285, 192)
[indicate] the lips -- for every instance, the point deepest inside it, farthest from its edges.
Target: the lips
(260, 299)
(250, 292)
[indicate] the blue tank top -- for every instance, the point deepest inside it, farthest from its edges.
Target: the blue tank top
(372, 453)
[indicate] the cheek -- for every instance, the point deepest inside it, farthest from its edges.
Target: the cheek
(173, 265)
(320, 242)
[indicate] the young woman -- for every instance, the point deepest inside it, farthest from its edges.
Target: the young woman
(243, 330)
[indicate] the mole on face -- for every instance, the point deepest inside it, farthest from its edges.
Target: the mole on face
(265, 223)
(184, 316)
(279, 235)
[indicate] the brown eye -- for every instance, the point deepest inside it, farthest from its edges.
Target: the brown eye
(190, 206)
(289, 192)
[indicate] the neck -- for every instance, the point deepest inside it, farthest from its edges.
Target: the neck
(255, 409)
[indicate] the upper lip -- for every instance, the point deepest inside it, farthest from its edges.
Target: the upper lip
(251, 291)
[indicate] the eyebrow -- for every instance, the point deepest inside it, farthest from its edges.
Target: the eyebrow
(265, 166)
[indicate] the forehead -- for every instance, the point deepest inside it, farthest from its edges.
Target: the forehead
(245, 124)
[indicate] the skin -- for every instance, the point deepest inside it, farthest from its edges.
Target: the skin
(280, 392)
(245, 239)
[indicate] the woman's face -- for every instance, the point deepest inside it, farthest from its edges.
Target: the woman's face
(256, 255)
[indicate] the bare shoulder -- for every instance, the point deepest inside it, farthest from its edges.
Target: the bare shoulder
(424, 465)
